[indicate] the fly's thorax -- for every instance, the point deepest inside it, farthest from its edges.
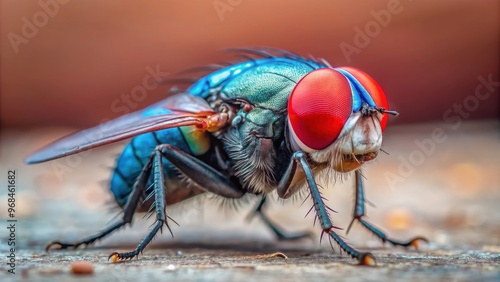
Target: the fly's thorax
(251, 144)
(268, 83)
(359, 142)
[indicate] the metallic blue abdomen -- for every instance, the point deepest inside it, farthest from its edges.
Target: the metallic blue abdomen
(135, 156)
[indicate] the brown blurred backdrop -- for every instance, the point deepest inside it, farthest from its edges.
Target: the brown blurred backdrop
(67, 63)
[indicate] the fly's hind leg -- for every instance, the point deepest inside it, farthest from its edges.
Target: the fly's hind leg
(205, 176)
(128, 213)
(277, 231)
(359, 213)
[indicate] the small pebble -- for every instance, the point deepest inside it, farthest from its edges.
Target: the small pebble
(82, 268)
(171, 267)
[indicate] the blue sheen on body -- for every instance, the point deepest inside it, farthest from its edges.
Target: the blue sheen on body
(267, 81)
(136, 154)
(223, 76)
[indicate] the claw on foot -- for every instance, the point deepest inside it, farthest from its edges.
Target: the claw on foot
(416, 242)
(114, 257)
(56, 245)
(367, 259)
(273, 255)
(52, 246)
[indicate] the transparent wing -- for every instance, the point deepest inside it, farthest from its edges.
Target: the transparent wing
(178, 110)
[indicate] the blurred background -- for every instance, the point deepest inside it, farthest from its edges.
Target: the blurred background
(67, 65)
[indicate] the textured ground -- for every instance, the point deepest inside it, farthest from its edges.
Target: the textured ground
(448, 193)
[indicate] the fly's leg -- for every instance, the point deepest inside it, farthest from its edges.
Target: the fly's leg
(128, 213)
(359, 213)
(280, 234)
(161, 216)
(201, 173)
(321, 209)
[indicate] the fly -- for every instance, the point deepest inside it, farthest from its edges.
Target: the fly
(266, 125)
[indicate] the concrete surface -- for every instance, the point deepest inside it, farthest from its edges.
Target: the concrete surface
(451, 196)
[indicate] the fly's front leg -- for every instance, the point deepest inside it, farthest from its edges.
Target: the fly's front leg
(359, 213)
(279, 233)
(128, 213)
(321, 209)
(204, 175)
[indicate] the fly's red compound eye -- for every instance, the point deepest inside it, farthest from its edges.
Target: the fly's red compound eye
(373, 88)
(318, 108)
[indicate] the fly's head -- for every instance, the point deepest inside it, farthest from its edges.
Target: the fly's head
(337, 116)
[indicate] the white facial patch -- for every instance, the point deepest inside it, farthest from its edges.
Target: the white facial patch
(365, 137)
